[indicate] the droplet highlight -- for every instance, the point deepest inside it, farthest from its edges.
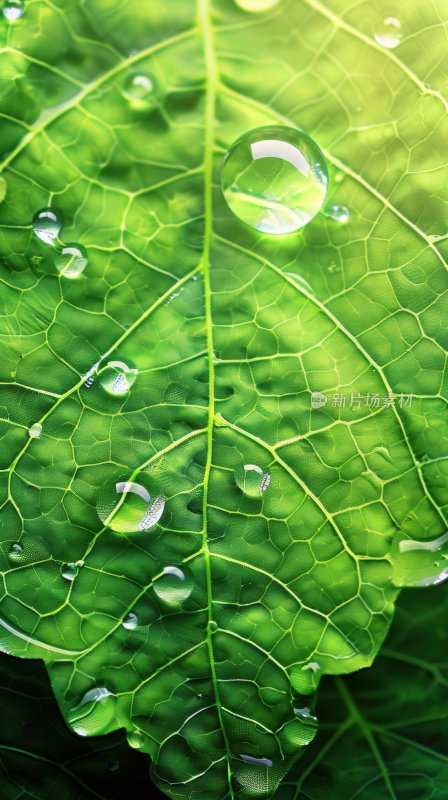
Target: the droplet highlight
(16, 553)
(256, 6)
(389, 33)
(139, 90)
(47, 225)
(95, 713)
(130, 622)
(126, 507)
(35, 431)
(71, 261)
(13, 9)
(418, 563)
(275, 179)
(117, 377)
(305, 679)
(252, 480)
(174, 586)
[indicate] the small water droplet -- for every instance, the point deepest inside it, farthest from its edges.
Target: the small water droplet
(275, 179)
(339, 177)
(334, 268)
(417, 563)
(174, 586)
(212, 626)
(252, 480)
(389, 33)
(71, 261)
(305, 679)
(47, 225)
(16, 552)
(116, 377)
(139, 90)
(301, 281)
(13, 9)
(301, 731)
(126, 507)
(94, 714)
(262, 762)
(305, 713)
(136, 740)
(3, 189)
(69, 571)
(35, 430)
(130, 622)
(340, 213)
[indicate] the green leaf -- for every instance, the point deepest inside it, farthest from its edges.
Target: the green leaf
(154, 347)
(384, 731)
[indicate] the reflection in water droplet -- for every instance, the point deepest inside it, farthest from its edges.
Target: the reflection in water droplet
(139, 91)
(252, 480)
(16, 552)
(126, 507)
(69, 571)
(340, 213)
(417, 563)
(116, 377)
(130, 622)
(174, 586)
(262, 762)
(305, 679)
(275, 179)
(13, 9)
(47, 225)
(35, 430)
(71, 261)
(3, 189)
(94, 714)
(136, 740)
(389, 33)
(257, 5)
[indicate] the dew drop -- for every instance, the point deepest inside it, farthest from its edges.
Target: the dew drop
(389, 33)
(69, 571)
(305, 679)
(305, 713)
(3, 189)
(116, 377)
(16, 553)
(35, 431)
(252, 480)
(130, 622)
(275, 179)
(340, 213)
(71, 261)
(174, 586)
(136, 740)
(212, 626)
(13, 9)
(417, 563)
(339, 177)
(94, 714)
(256, 6)
(47, 225)
(126, 507)
(301, 731)
(139, 90)
(262, 762)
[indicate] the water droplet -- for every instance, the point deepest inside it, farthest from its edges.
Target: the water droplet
(47, 225)
(262, 762)
(417, 563)
(305, 713)
(130, 622)
(94, 714)
(116, 377)
(3, 189)
(339, 177)
(212, 626)
(16, 552)
(257, 5)
(69, 571)
(13, 9)
(389, 33)
(126, 507)
(340, 213)
(35, 430)
(305, 679)
(139, 90)
(71, 261)
(334, 268)
(301, 281)
(136, 740)
(252, 480)
(301, 731)
(275, 179)
(174, 586)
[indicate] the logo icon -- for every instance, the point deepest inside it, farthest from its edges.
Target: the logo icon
(318, 400)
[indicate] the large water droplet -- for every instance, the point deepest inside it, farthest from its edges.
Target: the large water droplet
(136, 740)
(71, 261)
(174, 586)
(418, 563)
(16, 553)
(94, 714)
(116, 377)
(47, 225)
(389, 33)
(13, 9)
(252, 480)
(305, 679)
(69, 571)
(340, 213)
(275, 179)
(139, 90)
(126, 507)
(3, 189)
(35, 430)
(257, 5)
(130, 621)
